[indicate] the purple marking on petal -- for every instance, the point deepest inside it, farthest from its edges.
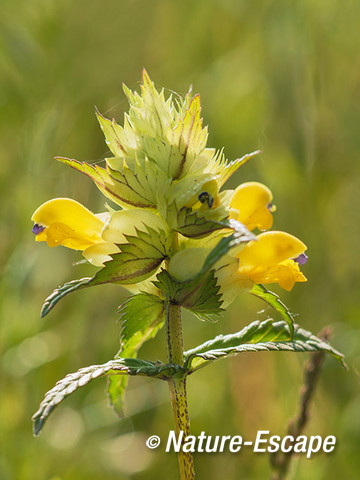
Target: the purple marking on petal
(301, 259)
(38, 229)
(270, 206)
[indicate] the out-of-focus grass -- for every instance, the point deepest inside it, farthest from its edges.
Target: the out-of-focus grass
(280, 76)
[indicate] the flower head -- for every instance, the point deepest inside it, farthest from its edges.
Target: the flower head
(166, 181)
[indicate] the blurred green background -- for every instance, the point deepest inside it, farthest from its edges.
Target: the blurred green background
(276, 75)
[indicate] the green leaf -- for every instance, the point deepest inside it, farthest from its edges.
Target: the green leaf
(138, 260)
(224, 169)
(117, 192)
(142, 317)
(190, 137)
(258, 336)
(241, 235)
(165, 131)
(195, 224)
(200, 294)
(121, 366)
(125, 187)
(60, 293)
(274, 301)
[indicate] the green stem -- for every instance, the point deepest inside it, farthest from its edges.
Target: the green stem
(177, 387)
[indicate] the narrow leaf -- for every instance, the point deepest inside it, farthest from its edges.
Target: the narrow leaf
(274, 301)
(138, 260)
(258, 336)
(121, 366)
(60, 293)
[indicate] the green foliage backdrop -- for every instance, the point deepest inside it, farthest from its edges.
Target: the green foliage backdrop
(280, 76)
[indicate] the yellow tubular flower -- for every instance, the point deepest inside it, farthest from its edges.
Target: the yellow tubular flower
(273, 258)
(63, 221)
(251, 205)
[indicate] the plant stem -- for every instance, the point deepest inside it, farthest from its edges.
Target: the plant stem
(177, 387)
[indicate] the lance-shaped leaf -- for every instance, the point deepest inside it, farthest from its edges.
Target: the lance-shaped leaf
(142, 316)
(200, 294)
(274, 301)
(121, 366)
(137, 260)
(256, 337)
(61, 292)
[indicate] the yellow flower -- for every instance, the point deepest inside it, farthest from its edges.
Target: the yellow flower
(63, 221)
(273, 258)
(251, 205)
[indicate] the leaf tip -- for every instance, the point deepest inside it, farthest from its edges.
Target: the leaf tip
(38, 423)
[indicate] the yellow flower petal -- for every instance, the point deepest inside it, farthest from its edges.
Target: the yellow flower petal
(269, 249)
(100, 253)
(269, 259)
(285, 274)
(67, 222)
(250, 205)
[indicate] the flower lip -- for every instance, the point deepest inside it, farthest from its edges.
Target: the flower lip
(38, 229)
(301, 259)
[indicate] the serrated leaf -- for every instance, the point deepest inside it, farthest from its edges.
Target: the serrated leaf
(189, 136)
(274, 301)
(137, 260)
(224, 169)
(60, 293)
(157, 128)
(195, 224)
(200, 294)
(142, 316)
(258, 336)
(114, 134)
(121, 366)
(123, 188)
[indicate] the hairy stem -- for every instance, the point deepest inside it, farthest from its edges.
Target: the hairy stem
(177, 386)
